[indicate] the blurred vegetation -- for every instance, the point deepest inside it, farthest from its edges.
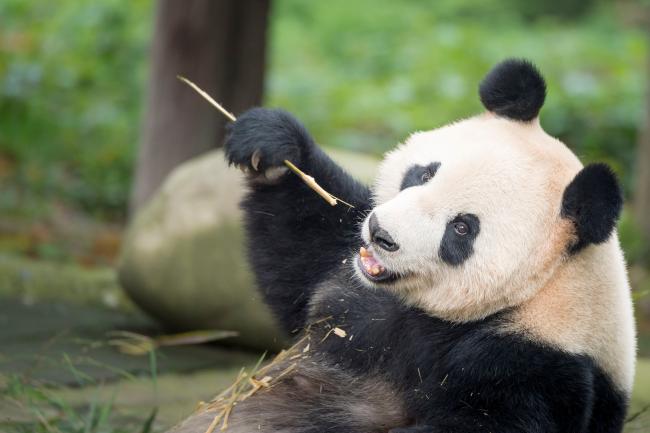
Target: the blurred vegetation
(368, 76)
(362, 75)
(70, 97)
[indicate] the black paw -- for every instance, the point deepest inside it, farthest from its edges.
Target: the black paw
(262, 139)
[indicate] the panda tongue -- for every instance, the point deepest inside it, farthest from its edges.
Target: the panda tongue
(370, 263)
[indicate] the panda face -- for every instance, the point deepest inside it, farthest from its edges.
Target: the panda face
(468, 219)
(491, 213)
(478, 216)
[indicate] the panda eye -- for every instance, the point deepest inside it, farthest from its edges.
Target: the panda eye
(419, 175)
(461, 228)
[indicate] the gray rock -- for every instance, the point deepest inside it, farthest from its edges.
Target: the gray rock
(183, 259)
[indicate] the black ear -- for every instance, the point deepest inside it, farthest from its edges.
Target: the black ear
(514, 89)
(593, 201)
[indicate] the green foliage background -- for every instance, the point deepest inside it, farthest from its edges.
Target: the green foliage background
(362, 75)
(365, 78)
(71, 79)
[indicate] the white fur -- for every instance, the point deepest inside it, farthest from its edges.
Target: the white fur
(586, 308)
(512, 176)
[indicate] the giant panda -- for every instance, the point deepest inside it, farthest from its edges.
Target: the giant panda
(479, 283)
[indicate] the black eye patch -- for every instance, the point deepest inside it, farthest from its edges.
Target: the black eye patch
(419, 175)
(457, 243)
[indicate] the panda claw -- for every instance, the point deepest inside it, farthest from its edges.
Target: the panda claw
(255, 159)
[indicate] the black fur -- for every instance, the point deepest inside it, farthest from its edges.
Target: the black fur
(419, 175)
(514, 89)
(451, 377)
(454, 248)
(276, 133)
(593, 201)
(465, 377)
(295, 238)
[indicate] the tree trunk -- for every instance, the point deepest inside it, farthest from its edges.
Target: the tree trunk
(218, 44)
(642, 187)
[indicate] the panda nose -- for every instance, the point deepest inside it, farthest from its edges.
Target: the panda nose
(379, 236)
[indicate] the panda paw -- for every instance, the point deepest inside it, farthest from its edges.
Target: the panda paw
(261, 139)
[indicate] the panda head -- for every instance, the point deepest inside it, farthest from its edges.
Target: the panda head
(475, 217)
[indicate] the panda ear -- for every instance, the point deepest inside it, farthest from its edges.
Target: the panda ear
(593, 201)
(514, 89)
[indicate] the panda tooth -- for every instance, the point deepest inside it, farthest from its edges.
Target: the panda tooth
(363, 252)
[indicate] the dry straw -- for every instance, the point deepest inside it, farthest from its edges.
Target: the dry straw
(247, 384)
(261, 378)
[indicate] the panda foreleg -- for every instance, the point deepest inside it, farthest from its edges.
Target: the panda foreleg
(295, 238)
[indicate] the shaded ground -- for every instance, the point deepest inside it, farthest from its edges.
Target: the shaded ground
(63, 349)
(57, 363)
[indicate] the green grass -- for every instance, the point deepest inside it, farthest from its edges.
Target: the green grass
(38, 409)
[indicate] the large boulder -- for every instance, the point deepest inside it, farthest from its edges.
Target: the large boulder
(183, 259)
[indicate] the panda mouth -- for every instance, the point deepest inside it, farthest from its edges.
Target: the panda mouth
(373, 269)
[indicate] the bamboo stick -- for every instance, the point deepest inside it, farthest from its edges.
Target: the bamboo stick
(309, 180)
